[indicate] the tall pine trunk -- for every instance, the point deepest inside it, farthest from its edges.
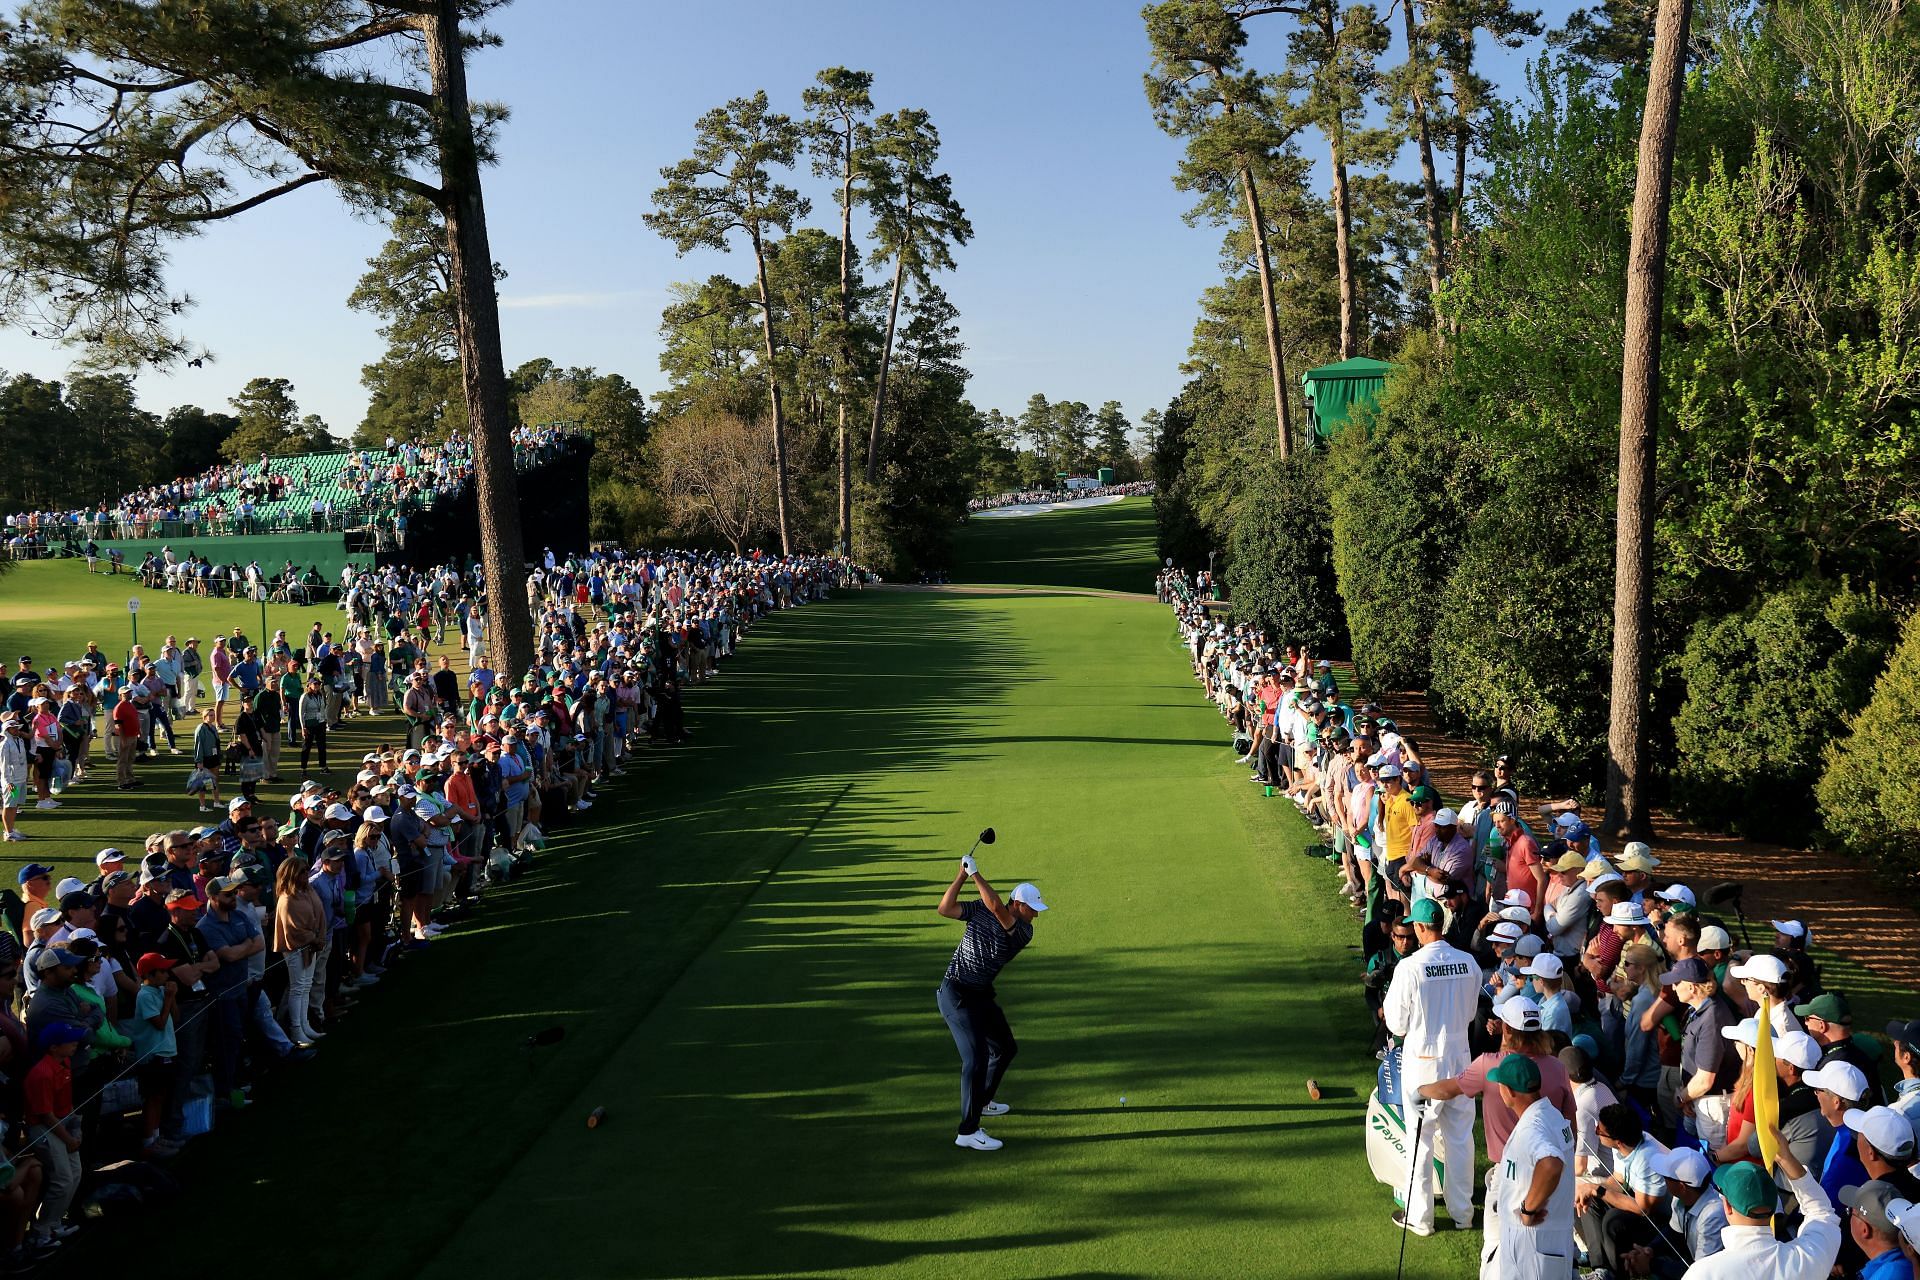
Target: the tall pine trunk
(1627, 783)
(773, 397)
(1269, 310)
(886, 351)
(1423, 138)
(845, 524)
(1343, 247)
(483, 373)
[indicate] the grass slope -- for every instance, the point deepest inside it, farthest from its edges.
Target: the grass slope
(1110, 548)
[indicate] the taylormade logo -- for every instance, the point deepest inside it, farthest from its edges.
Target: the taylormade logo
(1387, 1131)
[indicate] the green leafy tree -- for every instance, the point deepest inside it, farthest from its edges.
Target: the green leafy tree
(414, 390)
(1110, 431)
(916, 221)
(190, 440)
(32, 412)
(269, 422)
(1201, 90)
(1457, 26)
(1867, 798)
(1280, 556)
(130, 126)
(113, 440)
(727, 186)
(839, 104)
(710, 347)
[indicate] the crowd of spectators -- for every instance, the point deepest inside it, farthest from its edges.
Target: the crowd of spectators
(1040, 497)
(141, 998)
(1507, 947)
(327, 492)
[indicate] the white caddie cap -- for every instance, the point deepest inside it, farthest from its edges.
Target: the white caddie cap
(1683, 1164)
(1029, 894)
(1841, 1078)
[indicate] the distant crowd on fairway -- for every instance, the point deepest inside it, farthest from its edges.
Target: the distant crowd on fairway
(1513, 959)
(1031, 497)
(312, 492)
(143, 996)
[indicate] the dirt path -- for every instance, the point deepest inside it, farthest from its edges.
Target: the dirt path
(1843, 907)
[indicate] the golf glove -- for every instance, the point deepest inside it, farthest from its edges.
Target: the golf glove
(968, 865)
(1430, 1108)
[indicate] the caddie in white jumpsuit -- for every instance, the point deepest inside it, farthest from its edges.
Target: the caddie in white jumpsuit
(1430, 1005)
(1536, 1243)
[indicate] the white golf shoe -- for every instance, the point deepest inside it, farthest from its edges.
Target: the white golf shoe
(995, 1109)
(978, 1140)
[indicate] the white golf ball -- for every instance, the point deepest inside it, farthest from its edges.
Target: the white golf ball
(1123, 1099)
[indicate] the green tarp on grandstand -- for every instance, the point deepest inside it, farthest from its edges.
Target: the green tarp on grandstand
(1334, 390)
(326, 552)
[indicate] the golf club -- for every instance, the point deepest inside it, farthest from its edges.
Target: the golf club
(1413, 1171)
(985, 837)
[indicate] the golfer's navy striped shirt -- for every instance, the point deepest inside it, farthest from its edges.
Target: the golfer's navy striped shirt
(985, 947)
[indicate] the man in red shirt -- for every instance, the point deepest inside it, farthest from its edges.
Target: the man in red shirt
(126, 735)
(53, 1129)
(1525, 870)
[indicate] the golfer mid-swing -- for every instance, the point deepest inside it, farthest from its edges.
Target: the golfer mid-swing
(996, 932)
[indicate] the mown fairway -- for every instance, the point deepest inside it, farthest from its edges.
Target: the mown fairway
(743, 952)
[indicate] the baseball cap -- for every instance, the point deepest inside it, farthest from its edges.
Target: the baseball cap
(1761, 968)
(1791, 928)
(1746, 1031)
(44, 917)
(33, 871)
(238, 802)
(1530, 945)
(1886, 1130)
(1904, 1215)
(1516, 898)
(1842, 1078)
(1714, 938)
(374, 813)
(1907, 1033)
(53, 958)
(1389, 771)
(1516, 915)
(79, 900)
(1676, 893)
(1506, 932)
(1519, 1013)
(69, 884)
(1030, 894)
(226, 884)
(108, 857)
(1799, 1048)
(339, 813)
(1425, 911)
(1546, 965)
(1598, 869)
(1692, 969)
(1683, 1164)
(61, 1033)
(179, 896)
(1446, 818)
(115, 879)
(153, 962)
(1870, 1200)
(1828, 1006)
(1424, 794)
(1516, 1071)
(1747, 1189)
(1570, 861)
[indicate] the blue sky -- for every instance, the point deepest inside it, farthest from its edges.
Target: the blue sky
(1080, 282)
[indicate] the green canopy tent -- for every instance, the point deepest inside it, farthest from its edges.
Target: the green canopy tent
(1335, 390)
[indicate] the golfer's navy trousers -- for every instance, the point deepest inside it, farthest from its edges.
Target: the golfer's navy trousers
(985, 1041)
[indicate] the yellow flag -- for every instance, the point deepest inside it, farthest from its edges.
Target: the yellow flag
(1766, 1087)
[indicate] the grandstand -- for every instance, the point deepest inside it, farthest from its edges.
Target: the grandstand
(409, 504)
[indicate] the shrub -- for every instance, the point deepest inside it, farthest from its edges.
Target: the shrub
(1868, 801)
(1280, 556)
(1401, 485)
(1766, 689)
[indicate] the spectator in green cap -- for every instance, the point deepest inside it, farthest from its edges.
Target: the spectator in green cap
(1749, 1250)
(1536, 1178)
(1829, 1020)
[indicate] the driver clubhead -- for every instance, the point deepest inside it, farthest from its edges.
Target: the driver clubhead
(986, 837)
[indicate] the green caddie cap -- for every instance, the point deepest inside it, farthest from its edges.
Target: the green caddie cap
(1425, 911)
(1516, 1071)
(1747, 1189)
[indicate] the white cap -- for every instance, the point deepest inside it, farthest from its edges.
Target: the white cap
(1027, 893)
(1714, 938)
(1676, 893)
(1517, 915)
(1627, 915)
(1546, 965)
(1636, 857)
(1516, 898)
(1683, 1164)
(374, 813)
(1791, 928)
(1904, 1215)
(339, 813)
(1760, 968)
(1505, 931)
(1838, 1077)
(1746, 1032)
(1519, 1013)
(1799, 1048)
(1389, 771)
(1608, 876)
(1886, 1130)
(1446, 818)
(45, 916)
(1531, 945)
(72, 884)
